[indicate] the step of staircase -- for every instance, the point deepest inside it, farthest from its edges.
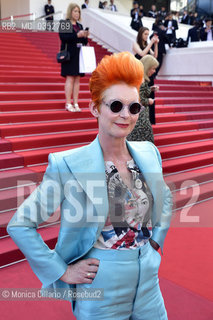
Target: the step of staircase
(52, 140)
(179, 138)
(45, 115)
(184, 116)
(187, 163)
(38, 95)
(175, 151)
(10, 160)
(38, 87)
(184, 108)
(10, 253)
(173, 127)
(5, 146)
(47, 127)
(176, 87)
(184, 82)
(188, 94)
(187, 100)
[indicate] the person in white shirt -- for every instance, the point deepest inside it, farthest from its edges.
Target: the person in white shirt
(171, 27)
(206, 33)
(112, 6)
(85, 4)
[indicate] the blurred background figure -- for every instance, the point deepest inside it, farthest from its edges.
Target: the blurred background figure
(191, 18)
(185, 17)
(143, 129)
(152, 12)
(136, 16)
(112, 6)
(176, 16)
(103, 5)
(49, 9)
(159, 30)
(162, 13)
(72, 40)
(206, 33)
(141, 10)
(171, 26)
(85, 4)
(194, 33)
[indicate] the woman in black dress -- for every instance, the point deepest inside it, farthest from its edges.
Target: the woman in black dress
(72, 38)
(141, 47)
(143, 129)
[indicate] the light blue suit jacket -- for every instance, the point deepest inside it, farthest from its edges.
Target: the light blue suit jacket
(75, 180)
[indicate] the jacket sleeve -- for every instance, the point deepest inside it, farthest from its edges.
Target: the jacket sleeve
(144, 93)
(37, 208)
(163, 220)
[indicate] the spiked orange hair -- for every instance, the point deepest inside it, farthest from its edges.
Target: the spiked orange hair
(114, 69)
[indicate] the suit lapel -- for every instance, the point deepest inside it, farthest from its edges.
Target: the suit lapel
(147, 163)
(87, 166)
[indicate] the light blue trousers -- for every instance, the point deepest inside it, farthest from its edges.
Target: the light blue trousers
(131, 286)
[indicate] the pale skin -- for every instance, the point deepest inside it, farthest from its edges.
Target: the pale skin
(208, 26)
(72, 82)
(113, 130)
(154, 40)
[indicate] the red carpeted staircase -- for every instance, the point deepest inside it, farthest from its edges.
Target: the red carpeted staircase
(34, 123)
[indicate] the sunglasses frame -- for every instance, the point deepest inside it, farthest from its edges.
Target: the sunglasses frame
(123, 105)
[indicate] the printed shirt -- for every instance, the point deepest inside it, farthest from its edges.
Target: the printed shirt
(128, 224)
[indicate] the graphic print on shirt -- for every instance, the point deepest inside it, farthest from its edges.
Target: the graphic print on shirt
(129, 221)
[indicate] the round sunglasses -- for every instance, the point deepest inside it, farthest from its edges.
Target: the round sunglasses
(116, 106)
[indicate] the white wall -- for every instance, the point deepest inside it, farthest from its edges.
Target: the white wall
(195, 63)
(14, 7)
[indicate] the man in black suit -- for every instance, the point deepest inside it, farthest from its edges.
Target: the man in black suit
(160, 31)
(194, 33)
(185, 17)
(171, 27)
(152, 12)
(136, 15)
(206, 33)
(49, 9)
(162, 13)
(112, 6)
(85, 4)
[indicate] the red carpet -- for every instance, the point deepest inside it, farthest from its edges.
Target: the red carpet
(33, 123)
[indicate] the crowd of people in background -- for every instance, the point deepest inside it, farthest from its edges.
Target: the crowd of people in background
(168, 22)
(104, 5)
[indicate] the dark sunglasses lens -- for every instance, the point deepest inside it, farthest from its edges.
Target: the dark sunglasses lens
(135, 108)
(116, 106)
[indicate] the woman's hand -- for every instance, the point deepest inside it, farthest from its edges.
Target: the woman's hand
(86, 33)
(82, 34)
(154, 88)
(153, 40)
(151, 101)
(156, 39)
(154, 244)
(83, 271)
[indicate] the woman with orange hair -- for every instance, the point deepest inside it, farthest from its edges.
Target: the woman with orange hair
(115, 210)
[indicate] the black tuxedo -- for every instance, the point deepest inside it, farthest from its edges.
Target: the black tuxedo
(83, 6)
(49, 10)
(171, 36)
(136, 22)
(194, 34)
(185, 19)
